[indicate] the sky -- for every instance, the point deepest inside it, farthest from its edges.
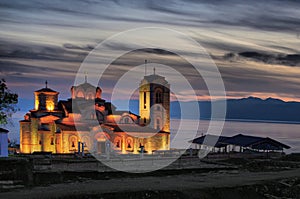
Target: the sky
(255, 44)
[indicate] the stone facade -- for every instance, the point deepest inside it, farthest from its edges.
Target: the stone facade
(58, 126)
(155, 102)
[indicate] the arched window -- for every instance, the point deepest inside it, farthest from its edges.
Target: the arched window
(118, 145)
(158, 124)
(129, 144)
(80, 94)
(90, 96)
(145, 100)
(117, 142)
(158, 97)
(52, 141)
(93, 115)
(126, 120)
(72, 143)
(86, 141)
(102, 137)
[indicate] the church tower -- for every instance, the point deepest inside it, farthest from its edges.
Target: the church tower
(155, 102)
(46, 99)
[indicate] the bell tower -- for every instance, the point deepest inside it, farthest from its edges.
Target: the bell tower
(46, 99)
(154, 101)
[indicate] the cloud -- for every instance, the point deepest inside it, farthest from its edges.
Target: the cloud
(231, 13)
(268, 58)
(15, 68)
(49, 39)
(246, 78)
(14, 50)
(157, 51)
(87, 47)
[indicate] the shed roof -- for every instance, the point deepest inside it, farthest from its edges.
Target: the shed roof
(2, 130)
(269, 144)
(254, 142)
(210, 140)
(242, 140)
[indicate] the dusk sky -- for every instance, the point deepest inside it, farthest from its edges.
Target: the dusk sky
(255, 44)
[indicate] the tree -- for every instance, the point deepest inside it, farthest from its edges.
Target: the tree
(8, 101)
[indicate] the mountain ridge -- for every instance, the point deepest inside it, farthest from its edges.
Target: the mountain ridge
(250, 109)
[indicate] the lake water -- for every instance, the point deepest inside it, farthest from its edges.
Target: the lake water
(286, 133)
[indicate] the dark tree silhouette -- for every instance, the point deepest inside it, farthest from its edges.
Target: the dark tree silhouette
(8, 101)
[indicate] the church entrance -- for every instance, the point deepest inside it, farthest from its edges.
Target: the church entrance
(101, 147)
(101, 142)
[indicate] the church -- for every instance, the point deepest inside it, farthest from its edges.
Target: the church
(89, 123)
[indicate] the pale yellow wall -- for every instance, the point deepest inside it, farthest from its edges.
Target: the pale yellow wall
(61, 142)
(144, 112)
(66, 144)
(154, 113)
(65, 140)
(159, 141)
(34, 135)
(166, 105)
(46, 141)
(58, 142)
(25, 137)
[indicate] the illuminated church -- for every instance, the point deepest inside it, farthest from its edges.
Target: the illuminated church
(58, 126)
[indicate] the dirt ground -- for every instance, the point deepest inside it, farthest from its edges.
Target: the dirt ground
(218, 184)
(208, 178)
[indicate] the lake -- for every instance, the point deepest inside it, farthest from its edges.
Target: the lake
(286, 133)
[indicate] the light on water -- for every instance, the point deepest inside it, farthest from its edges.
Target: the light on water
(286, 133)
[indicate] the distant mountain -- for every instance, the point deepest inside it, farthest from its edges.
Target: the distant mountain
(251, 108)
(270, 109)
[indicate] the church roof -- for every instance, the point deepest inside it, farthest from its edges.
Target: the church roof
(40, 114)
(78, 127)
(49, 90)
(153, 77)
(2, 130)
(132, 128)
(121, 112)
(86, 85)
(46, 89)
(79, 104)
(44, 127)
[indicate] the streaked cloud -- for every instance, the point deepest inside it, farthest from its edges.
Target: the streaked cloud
(255, 44)
(278, 59)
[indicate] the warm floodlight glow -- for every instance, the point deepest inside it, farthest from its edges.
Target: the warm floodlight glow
(49, 105)
(36, 104)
